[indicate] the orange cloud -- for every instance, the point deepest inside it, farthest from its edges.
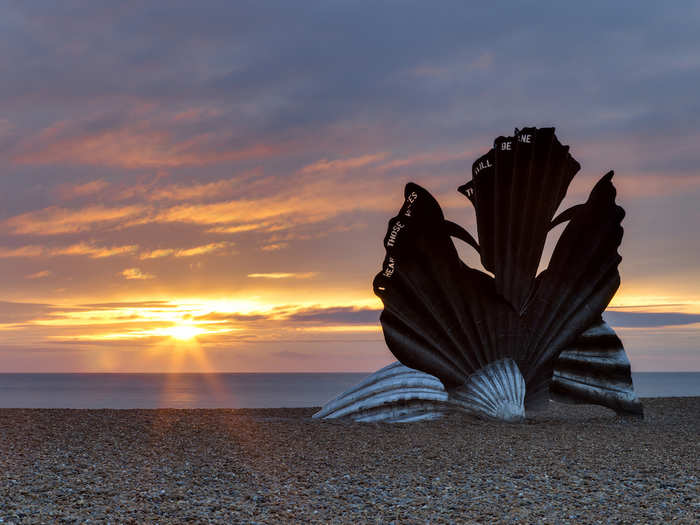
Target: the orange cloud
(311, 204)
(82, 190)
(22, 251)
(199, 250)
(55, 220)
(94, 252)
(468, 153)
(305, 198)
(153, 191)
(305, 201)
(38, 275)
(156, 254)
(281, 275)
(135, 273)
(251, 226)
(90, 250)
(139, 144)
(187, 252)
(181, 192)
(274, 246)
(324, 165)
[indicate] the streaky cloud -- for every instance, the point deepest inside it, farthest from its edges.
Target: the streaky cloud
(649, 319)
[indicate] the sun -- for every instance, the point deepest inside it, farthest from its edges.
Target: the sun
(183, 332)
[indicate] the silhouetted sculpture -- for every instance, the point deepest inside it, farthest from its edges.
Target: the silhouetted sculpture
(498, 346)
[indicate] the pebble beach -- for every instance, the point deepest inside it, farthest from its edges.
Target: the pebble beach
(571, 464)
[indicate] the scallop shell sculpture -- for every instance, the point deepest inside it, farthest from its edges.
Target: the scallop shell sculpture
(499, 346)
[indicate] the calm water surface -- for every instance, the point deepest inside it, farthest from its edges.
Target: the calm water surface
(230, 390)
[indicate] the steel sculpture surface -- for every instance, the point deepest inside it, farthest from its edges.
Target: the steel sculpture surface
(503, 345)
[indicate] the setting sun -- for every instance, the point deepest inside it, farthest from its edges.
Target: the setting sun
(183, 332)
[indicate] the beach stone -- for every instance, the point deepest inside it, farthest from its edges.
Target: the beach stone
(577, 464)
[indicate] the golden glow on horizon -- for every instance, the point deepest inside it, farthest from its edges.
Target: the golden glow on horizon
(220, 321)
(654, 303)
(342, 328)
(189, 318)
(178, 332)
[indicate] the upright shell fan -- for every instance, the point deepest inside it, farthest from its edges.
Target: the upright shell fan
(502, 344)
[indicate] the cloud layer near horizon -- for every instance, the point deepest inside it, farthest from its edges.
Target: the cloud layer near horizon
(255, 151)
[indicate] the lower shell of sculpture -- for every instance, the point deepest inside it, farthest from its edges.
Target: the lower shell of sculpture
(394, 394)
(594, 369)
(496, 391)
(399, 394)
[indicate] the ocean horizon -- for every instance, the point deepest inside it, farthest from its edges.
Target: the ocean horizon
(231, 390)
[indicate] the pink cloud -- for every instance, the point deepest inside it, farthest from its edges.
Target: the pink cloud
(649, 185)
(146, 140)
(83, 248)
(56, 220)
(83, 190)
(325, 165)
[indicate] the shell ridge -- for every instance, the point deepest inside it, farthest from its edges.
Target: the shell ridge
(487, 349)
(474, 391)
(572, 312)
(480, 388)
(485, 205)
(508, 387)
(447, 347)
(429, 337)
(440, 341)
(578, 315)
(520, 164)
(504, 175)
(387, 371)
(395, 384)
(494, 375)
(489, 379)
(566, 272)
(584, 316)
(513, 209)
(547, 358)
(444, 320)
(387, 397)
(484, 392)
(404, 348)
(532, 186)
(571, 302)
(418, 203)
(499, 396)
(555, 176)
(595, 369)
(457, 304)
(461, 308)
(579, 291)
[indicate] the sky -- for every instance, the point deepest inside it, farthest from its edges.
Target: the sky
(205, 186)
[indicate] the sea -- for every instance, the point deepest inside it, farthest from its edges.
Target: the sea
(222, 390)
